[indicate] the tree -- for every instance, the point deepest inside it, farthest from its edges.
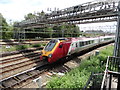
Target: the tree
(67, 30)
(29, 16)
(42, 13)
(5, 28)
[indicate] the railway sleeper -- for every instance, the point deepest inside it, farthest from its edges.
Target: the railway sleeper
(9, 82)
(23, 79)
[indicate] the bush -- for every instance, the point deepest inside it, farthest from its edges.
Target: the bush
(21, 47)
(36, 45)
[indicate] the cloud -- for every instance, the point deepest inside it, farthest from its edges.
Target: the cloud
(15, 10)
(18, 8)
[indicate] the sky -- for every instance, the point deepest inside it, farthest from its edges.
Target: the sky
(15, 10)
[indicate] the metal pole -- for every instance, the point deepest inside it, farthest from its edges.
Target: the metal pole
(117, 43)
(62, 33)
(117, 38)
(110, 82)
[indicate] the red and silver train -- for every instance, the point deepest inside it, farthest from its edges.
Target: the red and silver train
(59, 48)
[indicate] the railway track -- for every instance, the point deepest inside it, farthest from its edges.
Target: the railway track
(12, 65)
(16, 42)
(27, 75)
(20, 51)
(21, 78)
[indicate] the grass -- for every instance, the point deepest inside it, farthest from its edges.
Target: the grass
(78, 77)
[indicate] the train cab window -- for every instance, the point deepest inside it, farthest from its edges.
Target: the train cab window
(50, 45)
(60, 46)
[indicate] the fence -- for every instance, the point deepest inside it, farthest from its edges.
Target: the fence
(112, 70)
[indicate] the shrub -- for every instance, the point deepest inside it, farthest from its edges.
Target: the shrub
(21, 47)
(36, 45)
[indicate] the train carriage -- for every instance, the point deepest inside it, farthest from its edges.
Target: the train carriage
(59, 48)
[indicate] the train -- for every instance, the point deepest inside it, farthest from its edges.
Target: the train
(64, 47)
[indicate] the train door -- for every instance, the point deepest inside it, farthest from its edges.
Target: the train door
(65, 49)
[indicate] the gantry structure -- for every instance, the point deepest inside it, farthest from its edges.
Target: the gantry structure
(90, 12)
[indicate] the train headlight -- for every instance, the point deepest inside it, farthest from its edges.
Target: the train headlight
(50, 55)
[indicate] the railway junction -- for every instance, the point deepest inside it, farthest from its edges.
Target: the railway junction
(91, 12)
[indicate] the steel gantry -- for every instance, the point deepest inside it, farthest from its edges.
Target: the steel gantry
(117, 45)
(91, 12)
(117, 40)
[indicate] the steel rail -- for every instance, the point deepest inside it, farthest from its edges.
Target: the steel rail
(8, 60)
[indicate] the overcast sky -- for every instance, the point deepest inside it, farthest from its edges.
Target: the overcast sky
(15, 10)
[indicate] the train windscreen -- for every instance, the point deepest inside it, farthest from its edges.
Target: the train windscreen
(50, 45)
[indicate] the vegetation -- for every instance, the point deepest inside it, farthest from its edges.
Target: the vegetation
(20, 47)
(7, 30)
(78, 77)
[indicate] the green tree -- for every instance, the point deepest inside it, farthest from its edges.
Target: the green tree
(42, 13)
(67, 30)
(50, 30)
(6, 30)
(29, 16)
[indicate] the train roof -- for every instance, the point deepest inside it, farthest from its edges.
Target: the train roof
(74, 39)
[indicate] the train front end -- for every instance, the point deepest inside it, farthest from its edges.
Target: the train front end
(47, 52)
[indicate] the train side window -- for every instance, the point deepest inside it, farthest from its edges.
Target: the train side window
(76, 45)
(92, 41)
(80, 44)
(87, 42)
(72, 44)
